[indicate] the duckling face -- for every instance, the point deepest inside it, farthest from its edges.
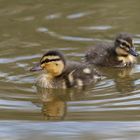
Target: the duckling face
(124, 46)
(52, 62)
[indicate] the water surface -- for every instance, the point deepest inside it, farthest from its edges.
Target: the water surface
(107, 110)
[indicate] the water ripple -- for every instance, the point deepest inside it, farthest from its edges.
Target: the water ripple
(78, 15)
(68, 38)
(99, 28)
(53, 16)
(16, 59)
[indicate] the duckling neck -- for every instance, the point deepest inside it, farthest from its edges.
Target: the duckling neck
(45, 80)
(49, 76)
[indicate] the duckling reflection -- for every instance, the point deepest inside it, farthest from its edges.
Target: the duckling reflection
(54, 109)
(54, 105)
(54, 101)
(125, 85)
(120, 54)
(123, 78)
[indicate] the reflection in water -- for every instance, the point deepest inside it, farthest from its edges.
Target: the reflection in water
(53, 105)
(124, 81)
(54, 101)
(54, 109)
(125, 84)
(122, 77)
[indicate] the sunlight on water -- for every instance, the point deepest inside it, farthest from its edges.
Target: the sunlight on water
(100, 28)
(78, 15)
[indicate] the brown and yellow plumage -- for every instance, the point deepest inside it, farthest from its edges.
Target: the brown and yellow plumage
(59, 73)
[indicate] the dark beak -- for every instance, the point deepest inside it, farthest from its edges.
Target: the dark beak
(37, 67)
(133, 52)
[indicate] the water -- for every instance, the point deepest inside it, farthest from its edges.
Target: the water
(108, 110)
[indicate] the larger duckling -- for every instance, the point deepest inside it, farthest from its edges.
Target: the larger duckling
(120, 54)
(59, 73)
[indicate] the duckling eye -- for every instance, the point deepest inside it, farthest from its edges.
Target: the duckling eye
(124, 44)
(56, 64)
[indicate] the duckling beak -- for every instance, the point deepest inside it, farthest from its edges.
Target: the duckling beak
(37, 67)
(133, 52)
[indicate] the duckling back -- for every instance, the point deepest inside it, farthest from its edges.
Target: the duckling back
(102, 55)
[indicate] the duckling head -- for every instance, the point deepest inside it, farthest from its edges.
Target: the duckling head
(124, 45)
(53, 63)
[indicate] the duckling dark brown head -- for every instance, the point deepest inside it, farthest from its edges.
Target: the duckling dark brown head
(53, 62)
(124, 45)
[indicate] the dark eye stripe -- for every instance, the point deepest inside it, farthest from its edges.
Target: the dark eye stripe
(49, 60)
(124, 44)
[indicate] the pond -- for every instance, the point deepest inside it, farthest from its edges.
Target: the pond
(107, 110)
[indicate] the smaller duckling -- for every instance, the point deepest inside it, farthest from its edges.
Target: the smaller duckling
(59, 73)
(121, 54)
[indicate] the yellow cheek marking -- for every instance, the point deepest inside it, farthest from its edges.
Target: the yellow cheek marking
(120, 51)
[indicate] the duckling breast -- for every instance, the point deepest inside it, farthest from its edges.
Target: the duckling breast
(44, 81)
(127, 60)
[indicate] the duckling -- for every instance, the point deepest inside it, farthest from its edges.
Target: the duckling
(121, 54)
(59, 73)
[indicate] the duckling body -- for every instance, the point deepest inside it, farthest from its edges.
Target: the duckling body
(57, 73)
(120, 54)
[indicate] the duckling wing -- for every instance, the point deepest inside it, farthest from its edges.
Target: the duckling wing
(79, 74)
(97, 54)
